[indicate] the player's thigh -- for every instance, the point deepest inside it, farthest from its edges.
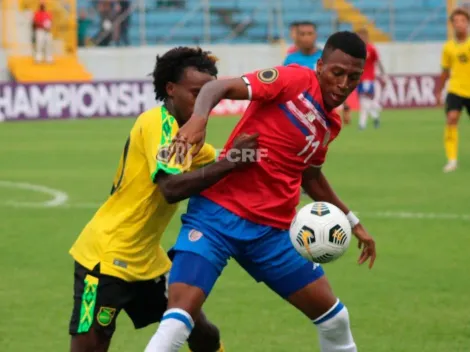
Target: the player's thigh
(273, 260)
(98, 300)
(201, 251)
(454, 106)
(149, 301)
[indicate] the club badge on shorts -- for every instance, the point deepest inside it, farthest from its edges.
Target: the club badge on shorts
(105, 315)
(194, 235)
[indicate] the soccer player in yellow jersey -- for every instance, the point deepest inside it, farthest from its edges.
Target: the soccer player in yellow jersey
(119, 262)
(456, 68)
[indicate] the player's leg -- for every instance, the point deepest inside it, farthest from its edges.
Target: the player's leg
(454, 105)
(39, 45)
(48, 44)
(200, 254)
(274, 260)
(364, 103)
(149, 304)
(97, 302)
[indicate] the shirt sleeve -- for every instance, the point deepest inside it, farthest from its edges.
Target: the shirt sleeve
(446, 58)
(319, 158)
(286, 60)
(206, 156)
(274, 83)
(156, 139)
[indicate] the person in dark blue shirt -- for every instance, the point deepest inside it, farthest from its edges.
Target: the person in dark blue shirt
(308, 53)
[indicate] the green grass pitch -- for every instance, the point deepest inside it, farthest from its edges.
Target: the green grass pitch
(415, 299)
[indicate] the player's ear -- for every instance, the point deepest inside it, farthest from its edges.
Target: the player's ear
(319, 66)
(170, 89)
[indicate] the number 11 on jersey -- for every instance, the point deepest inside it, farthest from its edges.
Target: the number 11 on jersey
(311, 144)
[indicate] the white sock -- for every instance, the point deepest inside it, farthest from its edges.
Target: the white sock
(375, 109)
(172, 333)
(334, 330)
(364, 110)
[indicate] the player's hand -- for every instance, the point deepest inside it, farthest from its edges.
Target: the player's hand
(245, 148)
(192, 134)
(366, 243)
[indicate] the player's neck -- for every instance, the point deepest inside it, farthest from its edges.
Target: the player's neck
(171, 109)
(309, 51)
(461, 37)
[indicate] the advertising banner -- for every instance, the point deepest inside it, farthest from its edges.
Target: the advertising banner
(130, 98)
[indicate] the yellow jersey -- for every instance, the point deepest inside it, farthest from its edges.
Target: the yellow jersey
(456, 59)
(124, 235)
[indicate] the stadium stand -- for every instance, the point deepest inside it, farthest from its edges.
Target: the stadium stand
(400, 20)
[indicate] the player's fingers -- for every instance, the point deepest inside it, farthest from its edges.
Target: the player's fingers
(197, 148)
(363, 257)
(359, 244)
(372, 259)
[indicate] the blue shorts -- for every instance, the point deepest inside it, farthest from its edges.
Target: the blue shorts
(211, 235)
(366, 87)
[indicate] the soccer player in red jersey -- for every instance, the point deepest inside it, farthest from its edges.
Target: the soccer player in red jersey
(365, 89)
(247, 215)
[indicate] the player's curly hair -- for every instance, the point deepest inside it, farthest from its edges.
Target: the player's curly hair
(171, 65)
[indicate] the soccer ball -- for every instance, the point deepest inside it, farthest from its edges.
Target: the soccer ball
(320, 232)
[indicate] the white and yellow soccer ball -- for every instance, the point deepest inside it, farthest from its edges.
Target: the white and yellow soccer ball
(320, 232)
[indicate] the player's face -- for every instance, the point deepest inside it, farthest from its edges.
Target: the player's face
(339, 75)
(306, 36)
(184, 93)
(460, 24)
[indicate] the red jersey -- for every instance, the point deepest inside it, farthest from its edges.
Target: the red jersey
(294, 129)
(371, 62)
(43, 20)
(292, 49)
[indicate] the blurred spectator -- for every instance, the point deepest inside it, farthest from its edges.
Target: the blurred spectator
(123, 16)
(42, 25)
(107, 16)
(83, 23)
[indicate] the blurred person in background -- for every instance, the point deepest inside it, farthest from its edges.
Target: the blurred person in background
(365, 89)
(293, 36)
(124, 16)
(308, 52)
(83, 24)
(107, 17)
(42, 25)
(455, 68)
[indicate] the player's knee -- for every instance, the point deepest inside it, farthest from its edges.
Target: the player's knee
(205, 337)
(334, 325)
(453, 117)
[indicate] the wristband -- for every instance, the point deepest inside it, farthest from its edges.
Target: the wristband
(353, 219)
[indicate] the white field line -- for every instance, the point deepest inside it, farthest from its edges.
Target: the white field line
(60, 200)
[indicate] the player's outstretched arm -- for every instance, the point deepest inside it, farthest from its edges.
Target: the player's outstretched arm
(193, 133)
(318, 188)
(178, 187)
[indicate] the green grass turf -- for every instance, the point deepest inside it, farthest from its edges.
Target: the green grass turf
(415, 299)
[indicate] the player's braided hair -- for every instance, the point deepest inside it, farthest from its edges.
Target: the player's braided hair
(171, 65)
(348, 42)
